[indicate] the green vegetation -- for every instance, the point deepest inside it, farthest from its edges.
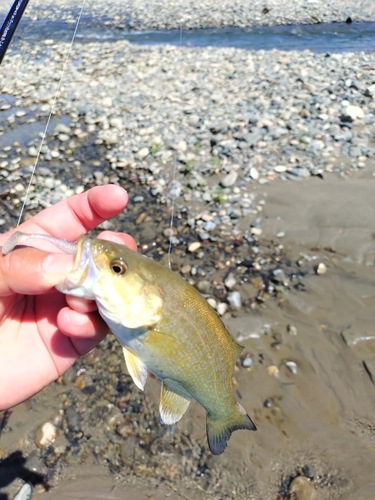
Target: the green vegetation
(155, 148)
(188, 167)
(215, 162)
(218, 195)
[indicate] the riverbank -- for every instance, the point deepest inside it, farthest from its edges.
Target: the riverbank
(222, 119)
(157, 14)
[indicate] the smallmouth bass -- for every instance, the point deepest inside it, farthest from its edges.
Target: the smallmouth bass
(164, 325)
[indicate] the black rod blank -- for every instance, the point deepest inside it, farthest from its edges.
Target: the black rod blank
(10, 25)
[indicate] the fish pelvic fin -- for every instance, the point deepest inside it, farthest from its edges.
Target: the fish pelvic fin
(174, 401)
(219, 431)
(136, 368)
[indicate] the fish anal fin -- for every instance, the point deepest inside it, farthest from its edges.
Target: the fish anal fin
(219, 431)
(174, 402)
(136, 368)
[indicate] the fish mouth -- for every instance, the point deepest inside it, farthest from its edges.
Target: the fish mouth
(81, 280)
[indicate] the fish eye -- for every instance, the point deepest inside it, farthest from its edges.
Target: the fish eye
(118, 267)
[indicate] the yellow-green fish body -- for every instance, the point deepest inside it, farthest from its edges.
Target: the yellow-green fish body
(165, 326)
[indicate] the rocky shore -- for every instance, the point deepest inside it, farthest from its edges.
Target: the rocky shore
(208, 136)
(200, 126)
(157, 14)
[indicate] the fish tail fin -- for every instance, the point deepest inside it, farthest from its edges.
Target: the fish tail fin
(219, 431)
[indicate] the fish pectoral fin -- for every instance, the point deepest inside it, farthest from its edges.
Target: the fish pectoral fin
(136, 368)
(174, 401)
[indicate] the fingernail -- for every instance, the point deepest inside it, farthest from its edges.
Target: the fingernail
(78, 319)
(58, 263)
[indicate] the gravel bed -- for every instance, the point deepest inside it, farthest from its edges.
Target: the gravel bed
(158, 14)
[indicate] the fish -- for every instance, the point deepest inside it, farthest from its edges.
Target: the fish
(164, 326)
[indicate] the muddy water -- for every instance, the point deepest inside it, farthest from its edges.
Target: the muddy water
(318, 422)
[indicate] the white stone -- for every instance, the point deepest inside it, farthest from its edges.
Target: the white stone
(222, 308)
(371, 90)
(229, 179)
(212, 302)
(46, 435)
(321, 268)
(234, 299)
(280, 169)
(354, 112)
(116, 122)
(194, 246)
(32, 151)
(254, 173)
(63, 137)
(142, 154)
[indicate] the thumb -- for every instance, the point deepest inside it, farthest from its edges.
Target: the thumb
(32, 271)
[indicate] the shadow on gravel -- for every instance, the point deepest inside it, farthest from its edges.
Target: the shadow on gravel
(13, 467)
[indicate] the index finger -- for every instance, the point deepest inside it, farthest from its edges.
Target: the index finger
(77, 215)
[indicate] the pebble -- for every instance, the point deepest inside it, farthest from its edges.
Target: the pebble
(280, 169)
(222, 308)
(63, 137)
(370, 91)
(292, 366)
(353, 113)
(116, 123)
(302, 489)
(45, 435)
(254, 173)
(73, 419)
(234, 299)
(229, 179)
(291, 329)
(142, 154)
(61, 128)
(273, 371)
(32, 151)
(204, 286)
(321, 268)
(247, 361)
(186, 268)
(194, 246)
(230, 281)
(212, 302)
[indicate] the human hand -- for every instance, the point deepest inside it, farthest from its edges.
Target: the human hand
(43, 332)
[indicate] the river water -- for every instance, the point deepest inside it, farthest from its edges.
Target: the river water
(338, 37)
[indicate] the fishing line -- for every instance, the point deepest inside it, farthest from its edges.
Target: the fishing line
(44, 135)
(173, 192)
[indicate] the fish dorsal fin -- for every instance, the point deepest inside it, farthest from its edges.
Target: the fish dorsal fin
(136, 368)
(174, 401)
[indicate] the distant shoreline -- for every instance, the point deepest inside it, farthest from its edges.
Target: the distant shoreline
(189, 14)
